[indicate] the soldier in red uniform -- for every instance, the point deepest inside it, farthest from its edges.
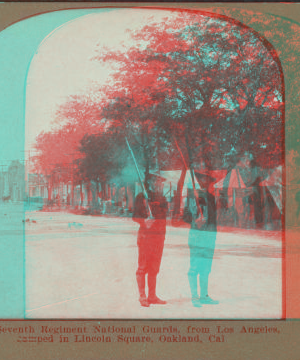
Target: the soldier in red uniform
(151, 237)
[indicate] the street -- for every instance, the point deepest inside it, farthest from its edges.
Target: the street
(84, 267)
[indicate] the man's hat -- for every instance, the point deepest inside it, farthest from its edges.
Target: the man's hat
(156, 175)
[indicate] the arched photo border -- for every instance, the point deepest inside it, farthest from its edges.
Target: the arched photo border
(287, 313)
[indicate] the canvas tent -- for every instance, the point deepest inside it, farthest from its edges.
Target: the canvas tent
(232, 180)
(173, 178)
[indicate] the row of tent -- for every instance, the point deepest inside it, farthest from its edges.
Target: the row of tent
(237, 178)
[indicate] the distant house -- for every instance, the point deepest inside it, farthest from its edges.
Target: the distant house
(14, 182)
(4, 188)
(37, 186)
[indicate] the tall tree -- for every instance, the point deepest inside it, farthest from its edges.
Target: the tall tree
(218, 87)
(58, 149)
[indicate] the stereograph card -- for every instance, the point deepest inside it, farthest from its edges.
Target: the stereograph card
(149, 180)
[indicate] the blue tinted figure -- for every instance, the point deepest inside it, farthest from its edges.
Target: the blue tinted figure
(201, 241)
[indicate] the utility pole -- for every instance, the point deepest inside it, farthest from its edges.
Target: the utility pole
(28, 177)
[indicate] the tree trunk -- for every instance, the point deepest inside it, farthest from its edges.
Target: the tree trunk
(178, 196)
(130, 195)
(81, 195)
(94, 194)
(49, 188)
(72, 194)
(117, 196)
(103, 191)
(97, 193)
(108, 192)
(89, 197)
(126, 195)
(147, 173)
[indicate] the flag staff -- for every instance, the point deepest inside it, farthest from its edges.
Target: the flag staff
(140, 178)
(192, 175)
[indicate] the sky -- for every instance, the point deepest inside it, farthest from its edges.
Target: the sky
(33, 89)
(47, 58)
(63, 65)
(18, 43)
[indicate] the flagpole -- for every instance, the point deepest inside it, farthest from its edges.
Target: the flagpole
(140, 178)
(192, 176)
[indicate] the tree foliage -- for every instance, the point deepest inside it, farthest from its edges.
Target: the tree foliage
(217, 86)
(204, 84)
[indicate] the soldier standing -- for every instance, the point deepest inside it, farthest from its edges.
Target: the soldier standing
(201, 241)
(151, 237)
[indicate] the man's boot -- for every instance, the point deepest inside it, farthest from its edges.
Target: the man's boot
(204, 297)
(152, 298)
(193, 281)
(140, 278)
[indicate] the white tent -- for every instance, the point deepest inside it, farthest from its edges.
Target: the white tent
(232, 180)
(173, 178)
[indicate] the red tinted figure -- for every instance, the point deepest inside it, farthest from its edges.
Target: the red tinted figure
(151, 237)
